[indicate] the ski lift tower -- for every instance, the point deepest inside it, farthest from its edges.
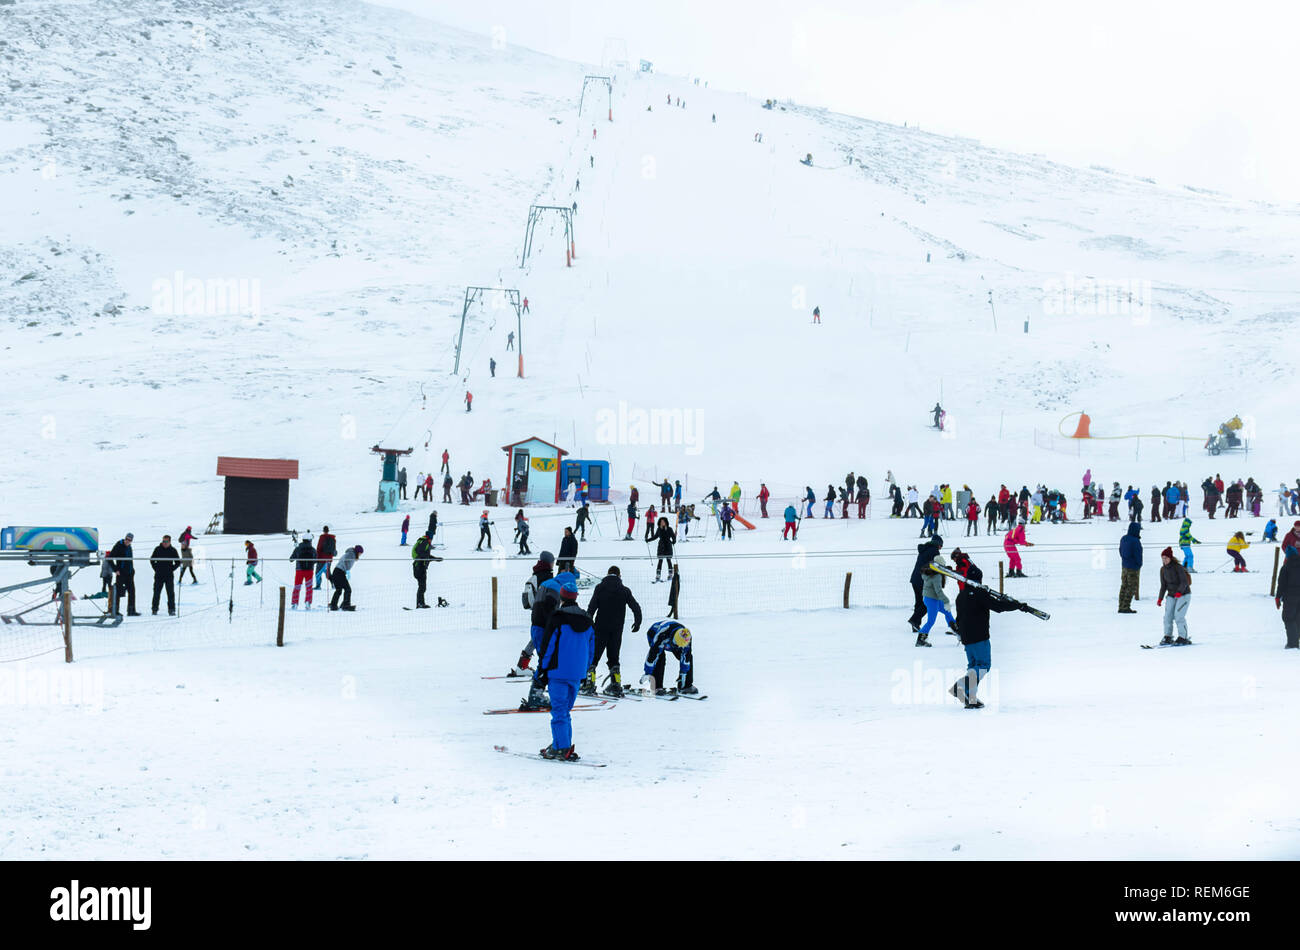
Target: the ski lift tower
(388, 481)
(534, 213)
(609, 90)
(512, 295)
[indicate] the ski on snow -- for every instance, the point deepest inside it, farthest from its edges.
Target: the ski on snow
(1162, 646)
(541, 758)
(603, 704)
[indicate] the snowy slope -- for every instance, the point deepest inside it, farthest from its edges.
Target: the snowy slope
(363, 167)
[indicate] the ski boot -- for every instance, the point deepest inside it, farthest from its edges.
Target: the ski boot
(688, 690)
(1182, 642)
(588, 687)
(615, 687)
(923, 640)
(973, 703)
(537, 699)
(958, 690)
(550, 752)
(1166, 639)
(442, 602)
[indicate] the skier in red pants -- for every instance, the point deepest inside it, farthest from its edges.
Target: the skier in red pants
(1009, 544)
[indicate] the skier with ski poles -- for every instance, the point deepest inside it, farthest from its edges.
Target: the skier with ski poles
(1185, 542)
(564, 655)
(1177, 582)
(484, 531)
(791, 523)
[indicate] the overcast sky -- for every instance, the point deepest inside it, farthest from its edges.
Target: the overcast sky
(1186, 92)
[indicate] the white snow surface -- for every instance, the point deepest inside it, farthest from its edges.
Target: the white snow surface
(363, 167)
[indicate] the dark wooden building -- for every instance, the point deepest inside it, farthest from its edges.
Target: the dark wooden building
(257, 494)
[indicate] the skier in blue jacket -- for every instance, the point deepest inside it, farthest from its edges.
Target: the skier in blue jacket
(1130, 559)
(811, 497)
(567, 650)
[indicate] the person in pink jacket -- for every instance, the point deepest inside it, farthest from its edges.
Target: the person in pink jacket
(1014, 538)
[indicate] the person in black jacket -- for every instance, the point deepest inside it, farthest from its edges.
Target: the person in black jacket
(973, 606)
(925, 553)
(580, 526)
(1288, 600)
(164, 562)
(568, 551)
(608, 610)
(123, 558)
(667, 538)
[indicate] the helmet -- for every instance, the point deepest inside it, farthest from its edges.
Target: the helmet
(359, 549)
(682, 637)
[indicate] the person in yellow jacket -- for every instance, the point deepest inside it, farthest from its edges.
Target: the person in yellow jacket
(735, 495)
(1236, 544)
(946, 501)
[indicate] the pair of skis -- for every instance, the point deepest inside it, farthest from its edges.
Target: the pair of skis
(948, 572)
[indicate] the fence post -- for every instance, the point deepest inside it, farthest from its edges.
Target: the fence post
(848, 579)
(67, 626)
(1000, 578)
(1272, 585)
(279, 623)
(494, 602)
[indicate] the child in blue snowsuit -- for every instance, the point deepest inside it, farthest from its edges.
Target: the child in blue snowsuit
(1270, 531)
(567, 650)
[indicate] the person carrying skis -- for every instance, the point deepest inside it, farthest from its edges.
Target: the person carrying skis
(541, 573)
(1130, 566)
(564, 655)
(304, 558)
(1011, 544)
(326, 548)
(421, 555)
(568, 551)
(580, 525)
(608, 610)
(484, 531)
(339, 578)
(1236, 544)
(925, 554)
(250, 564)
(973, 518)
(791, 523)
(666, 538)
(763, 496)
(187, 556)
(406, 526)
(1185, 541)
(664, 637)
(973, 607)
(1177, 582)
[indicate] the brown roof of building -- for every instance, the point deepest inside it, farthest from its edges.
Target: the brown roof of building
(507, 448)
(256, 468)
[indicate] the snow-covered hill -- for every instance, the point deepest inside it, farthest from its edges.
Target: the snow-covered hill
(334, 176)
